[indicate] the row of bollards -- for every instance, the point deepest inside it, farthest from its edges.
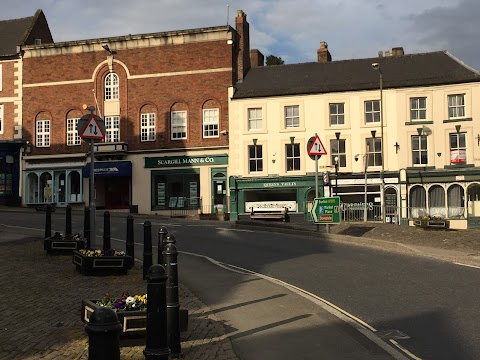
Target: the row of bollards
(163, 306)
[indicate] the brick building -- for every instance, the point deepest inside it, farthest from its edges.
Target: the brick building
(15, 32)
(164, 101)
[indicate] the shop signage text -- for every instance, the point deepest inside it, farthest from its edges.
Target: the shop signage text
(170, 161)
(280, 184)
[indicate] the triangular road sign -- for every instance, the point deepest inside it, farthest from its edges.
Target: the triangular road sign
(92, 129)
(317, 147)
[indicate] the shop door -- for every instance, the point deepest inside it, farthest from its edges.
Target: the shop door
(219, 191)
(117, 192)
(59, 188)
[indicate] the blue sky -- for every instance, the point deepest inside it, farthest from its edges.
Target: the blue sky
(289, 29)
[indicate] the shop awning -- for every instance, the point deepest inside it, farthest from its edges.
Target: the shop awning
(109, 168)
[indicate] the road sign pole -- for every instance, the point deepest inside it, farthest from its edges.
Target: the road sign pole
(92, 196)
(316, 182)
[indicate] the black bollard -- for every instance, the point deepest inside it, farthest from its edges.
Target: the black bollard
(169, 239)
(103, 332)
(147, 247)
(156, 344)
(68, 222)
(170, 255)
(162, 234)
(48, 222)
(130, 246)
(86, 226)
(106, 231)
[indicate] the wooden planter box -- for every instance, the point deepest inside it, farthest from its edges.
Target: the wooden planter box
(421, 223)
(65, 246)
(91, 265)
(432, 224)
(133, 322)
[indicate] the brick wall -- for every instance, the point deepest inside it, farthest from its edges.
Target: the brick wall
(191, 90)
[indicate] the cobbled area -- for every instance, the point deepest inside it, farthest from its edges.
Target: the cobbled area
(41, 308)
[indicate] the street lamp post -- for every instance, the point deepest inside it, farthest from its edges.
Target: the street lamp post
(337, 135)
(365, 159)
(376, 66)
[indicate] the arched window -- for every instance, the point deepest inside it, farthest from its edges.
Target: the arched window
(456, 202)
(436, 201)
(111, 86)
(418, 202)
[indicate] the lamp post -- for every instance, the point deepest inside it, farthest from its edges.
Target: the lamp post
(365, 159)
(376, 66)
(337, 135)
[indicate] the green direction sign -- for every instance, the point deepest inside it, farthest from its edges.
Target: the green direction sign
(326, 210)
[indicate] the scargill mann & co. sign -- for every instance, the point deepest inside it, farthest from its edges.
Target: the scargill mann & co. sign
(172, 161)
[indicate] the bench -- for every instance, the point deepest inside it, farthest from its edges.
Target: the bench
(269, 213)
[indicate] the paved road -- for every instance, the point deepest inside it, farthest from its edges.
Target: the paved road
(431, 302)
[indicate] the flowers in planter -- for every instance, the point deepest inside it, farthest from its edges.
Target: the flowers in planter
(59, 236)
(125, 302)
(101, 252)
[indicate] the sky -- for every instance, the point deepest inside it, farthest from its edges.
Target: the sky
(289, 29)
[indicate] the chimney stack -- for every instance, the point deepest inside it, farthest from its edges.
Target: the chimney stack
(398, 51)
(243, 30)
(256, 58)
(323, 54)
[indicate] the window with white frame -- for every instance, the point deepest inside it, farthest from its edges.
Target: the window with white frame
(418, 108)
(292, 157)
(337, 114)
(42, 133)
(147, 127)
(179, 125)
(337, 150)
(111, 86)
(255, 119)
(458, 148)
(372, 111)
(1, 118)
(255, 158)
(374, 151)
(456, 106)
(419, 150)
(73, 137)
(210, 123)
(112, 127)
(292, 117)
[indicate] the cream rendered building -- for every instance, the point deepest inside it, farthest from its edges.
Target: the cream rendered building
(429, 130)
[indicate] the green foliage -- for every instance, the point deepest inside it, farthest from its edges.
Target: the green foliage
(274, 60)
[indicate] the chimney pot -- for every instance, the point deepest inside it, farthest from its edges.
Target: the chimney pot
(398, 51)
(256, 58)
(380, 54)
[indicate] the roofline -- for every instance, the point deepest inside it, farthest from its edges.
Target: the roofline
(352, 90)
(462, 63)
(129, 37)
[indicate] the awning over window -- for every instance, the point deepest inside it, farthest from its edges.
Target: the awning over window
(109, 168)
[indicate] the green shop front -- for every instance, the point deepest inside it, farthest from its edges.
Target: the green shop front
(295, 193)
(188, 182)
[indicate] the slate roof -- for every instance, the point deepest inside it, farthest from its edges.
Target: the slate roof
(427, 69)
(15, 32)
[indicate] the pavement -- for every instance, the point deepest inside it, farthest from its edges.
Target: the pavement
(256, 318)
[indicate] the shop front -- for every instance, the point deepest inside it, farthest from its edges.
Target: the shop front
(10, 172)
(294, 193)
(188, 182)
(112, 183)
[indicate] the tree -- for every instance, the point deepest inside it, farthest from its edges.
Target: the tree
(274, 60)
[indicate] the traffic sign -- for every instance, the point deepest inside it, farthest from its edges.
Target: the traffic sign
(317, 148)
(326, 210)
(92, 128)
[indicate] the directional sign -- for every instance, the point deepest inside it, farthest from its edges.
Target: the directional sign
(92, 129)
(317, 148)
(326, 210)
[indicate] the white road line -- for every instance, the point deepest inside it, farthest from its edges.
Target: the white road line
(355, 322)
(239, 230)
(471, 266)
(414, 357)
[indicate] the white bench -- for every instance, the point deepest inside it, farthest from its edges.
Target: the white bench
(269, 213)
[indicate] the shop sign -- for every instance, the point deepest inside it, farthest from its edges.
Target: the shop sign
(174, 161)
(280, 184)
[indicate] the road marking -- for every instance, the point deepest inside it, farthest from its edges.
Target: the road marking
(405, 350)
(239, 230)
(472, 266)
(366, 329)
